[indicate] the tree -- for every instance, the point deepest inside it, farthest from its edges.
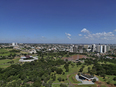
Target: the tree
(81, 70)
(59, 71)
(36, 84)
(66, 60)
(59, 79)
(54, 78)
(114, 78)
(63, 85)
(72, 65)
(94, 80)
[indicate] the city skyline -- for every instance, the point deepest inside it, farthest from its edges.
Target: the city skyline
(57, 21)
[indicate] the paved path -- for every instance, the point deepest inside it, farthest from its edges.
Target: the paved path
(60, 83)
(70, 84)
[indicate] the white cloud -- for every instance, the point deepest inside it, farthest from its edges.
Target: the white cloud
(68, 35)
(84, 30)
(98, 36)
(115, 30)
(103, 34)
(80, 34)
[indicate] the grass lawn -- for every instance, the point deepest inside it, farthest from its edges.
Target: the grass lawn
(106, 63)
(3, 50)
(85, 86)
(16, 60)
(4, 61)
(72, 71)
(110, 79)
(4, 64)
(73, 79)
(75, 69)
(56, 85)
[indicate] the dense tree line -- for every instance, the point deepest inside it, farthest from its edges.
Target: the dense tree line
(103, 68)
(36, 72)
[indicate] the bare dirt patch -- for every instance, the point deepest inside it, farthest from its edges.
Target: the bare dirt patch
(75, 57)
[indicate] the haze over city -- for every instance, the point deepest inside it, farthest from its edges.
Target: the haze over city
(58, 21)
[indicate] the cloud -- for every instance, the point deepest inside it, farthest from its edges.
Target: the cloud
(98, 36)
(103, 34)
(80, 34)
(68, 35)
(43, 37)
(84, 30)
(115, 30)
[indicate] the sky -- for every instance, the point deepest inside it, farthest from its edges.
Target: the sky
(58, 21)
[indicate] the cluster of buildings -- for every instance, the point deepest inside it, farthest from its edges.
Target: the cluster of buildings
(89, 48)
(75, 48)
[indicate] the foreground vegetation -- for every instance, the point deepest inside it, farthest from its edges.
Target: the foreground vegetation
(51, 71)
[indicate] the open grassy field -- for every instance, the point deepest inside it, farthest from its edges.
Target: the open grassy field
(85, 86)
(4, 63)
(73, 70)
(106, 63)
(56, 85)
(3, 50)
(72, 79)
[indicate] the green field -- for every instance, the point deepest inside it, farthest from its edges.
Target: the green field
(4, 63)
(74, 70)
(86, 86)
(56, 85)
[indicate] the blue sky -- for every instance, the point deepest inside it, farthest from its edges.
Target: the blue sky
(58, 21)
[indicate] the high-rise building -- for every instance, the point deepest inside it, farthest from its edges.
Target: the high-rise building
(101, 49)
(13, 44)
(85, 46)
(75, 49)
(104, 48)
(16, 44)
(98, 48)
(107, 48)
(93, 48)
(71, 48)
(80, 49)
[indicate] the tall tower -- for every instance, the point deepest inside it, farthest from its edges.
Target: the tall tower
(13, 44)
(104, 48)
(16, 44)
(93, 47)
(101, 49)
(71, 48)
(108, 48)
(98, 48)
